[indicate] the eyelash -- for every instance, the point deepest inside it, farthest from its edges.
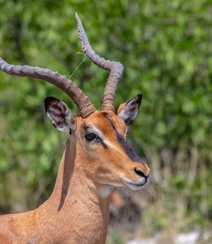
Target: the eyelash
(91, 136)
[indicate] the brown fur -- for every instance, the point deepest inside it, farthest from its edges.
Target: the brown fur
(78, 209)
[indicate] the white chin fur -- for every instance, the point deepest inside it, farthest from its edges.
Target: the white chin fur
(135, 186)
(105, 190)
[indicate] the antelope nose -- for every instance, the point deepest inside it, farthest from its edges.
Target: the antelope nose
(141, 173)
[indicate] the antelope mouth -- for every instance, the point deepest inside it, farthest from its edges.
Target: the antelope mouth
(135, 186)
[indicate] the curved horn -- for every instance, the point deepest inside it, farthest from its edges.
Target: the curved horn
(61, 81)
(115, 68)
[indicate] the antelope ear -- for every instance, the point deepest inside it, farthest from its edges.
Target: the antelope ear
(129, 110)
(60, 115)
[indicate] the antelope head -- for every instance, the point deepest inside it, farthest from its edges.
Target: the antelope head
(99, 137)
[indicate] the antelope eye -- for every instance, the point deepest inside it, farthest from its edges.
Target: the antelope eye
(91, 136)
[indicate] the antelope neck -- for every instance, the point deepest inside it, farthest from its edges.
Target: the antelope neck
(70, 184)
(77, 202)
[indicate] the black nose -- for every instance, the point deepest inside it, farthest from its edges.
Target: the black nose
(140, 173)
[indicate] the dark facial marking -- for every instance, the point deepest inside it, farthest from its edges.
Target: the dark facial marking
(104, 145)
(126, 147)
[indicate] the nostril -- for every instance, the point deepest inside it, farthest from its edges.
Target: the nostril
(140, 173)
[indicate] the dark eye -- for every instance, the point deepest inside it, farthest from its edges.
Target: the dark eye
(91, 137)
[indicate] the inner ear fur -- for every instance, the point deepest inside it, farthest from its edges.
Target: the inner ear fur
(129, 110)
(60, 115)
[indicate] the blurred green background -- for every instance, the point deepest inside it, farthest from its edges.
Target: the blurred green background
(166, 49)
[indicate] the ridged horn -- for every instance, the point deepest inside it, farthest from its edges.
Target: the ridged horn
(115, 68)
(62, 82)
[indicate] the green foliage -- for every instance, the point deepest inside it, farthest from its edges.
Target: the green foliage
(114, 238)
(166, 49)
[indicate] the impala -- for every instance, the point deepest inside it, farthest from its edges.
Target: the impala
(95, 159)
